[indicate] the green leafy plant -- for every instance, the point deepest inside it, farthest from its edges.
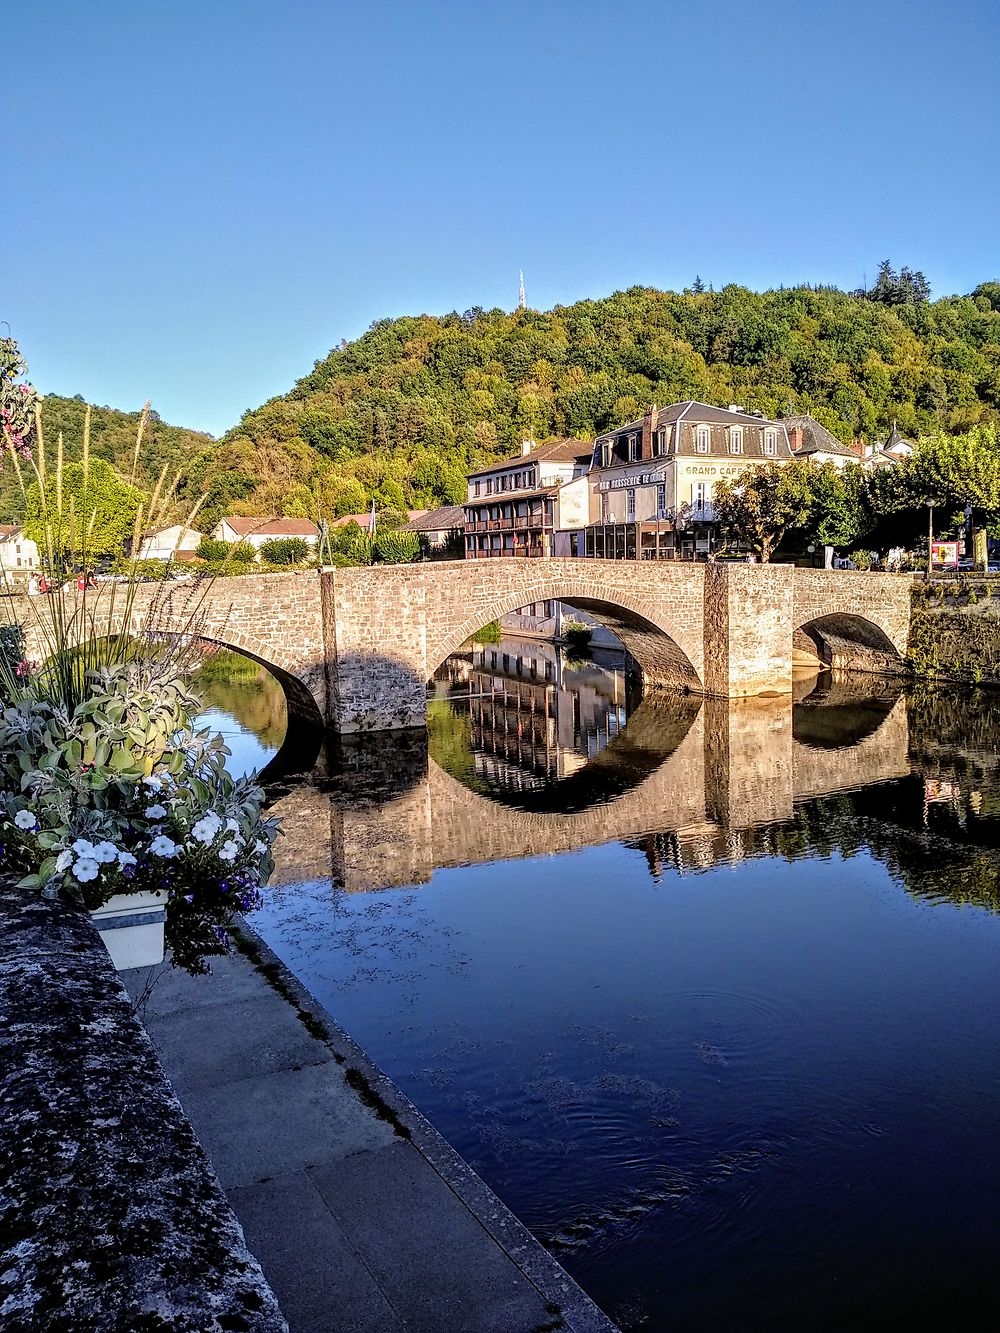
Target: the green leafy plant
(396, 547)
(121, 796)
(577, 635)
(285, 550)
(105, 787)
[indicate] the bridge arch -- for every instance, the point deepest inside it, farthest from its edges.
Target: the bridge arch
(848, 641)
(652, 639)
(231, 613)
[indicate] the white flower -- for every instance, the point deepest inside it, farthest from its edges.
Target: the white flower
(64, 860)
(232, 826)
(206, 828)
(105, 853)
(228, 850)
(156, 812)
(24, 819)
(162, 846)
(153, 781)
(126, 859)
(83, 849)
(86, 870)
(260, 847)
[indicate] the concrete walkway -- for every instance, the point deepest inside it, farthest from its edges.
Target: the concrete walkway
(363, 1219)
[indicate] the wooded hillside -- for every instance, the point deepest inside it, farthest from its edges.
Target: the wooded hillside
(400, 415)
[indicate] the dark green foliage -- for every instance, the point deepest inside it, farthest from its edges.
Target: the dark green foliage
(577, 636)
(112, 438)
(210, 549)
(902, 288)
(396, 548)
(11, 656)
(284, 551)
(401, 414)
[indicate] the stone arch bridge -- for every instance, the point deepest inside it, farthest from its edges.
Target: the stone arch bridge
(356, 647)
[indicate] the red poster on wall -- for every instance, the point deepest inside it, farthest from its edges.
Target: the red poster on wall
(944, 553)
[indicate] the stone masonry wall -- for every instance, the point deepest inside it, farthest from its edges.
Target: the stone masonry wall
(882, 600)
(748, 629)
(275, 618)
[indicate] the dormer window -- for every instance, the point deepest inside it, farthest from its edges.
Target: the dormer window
(736, 439)
(770, 443)
(660, 443)
(634, 450)
(702, 439)
(605, 453)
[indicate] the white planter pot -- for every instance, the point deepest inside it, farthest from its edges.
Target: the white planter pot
(131, 926)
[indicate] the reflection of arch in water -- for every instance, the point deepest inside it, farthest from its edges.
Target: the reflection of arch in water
(653, 733)
(304, 726)
(660, 649)
(848, 642)
(839, 712)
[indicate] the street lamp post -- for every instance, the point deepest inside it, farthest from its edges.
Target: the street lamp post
(970, 548)
(930, 536)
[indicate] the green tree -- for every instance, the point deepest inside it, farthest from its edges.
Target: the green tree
(284, 550)
(838, 512)
(763, 503)
(91, 511)
(956, 472)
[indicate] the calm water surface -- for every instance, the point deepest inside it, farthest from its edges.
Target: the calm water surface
(708, 993)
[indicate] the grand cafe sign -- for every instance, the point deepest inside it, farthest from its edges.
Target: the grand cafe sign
(634, 480)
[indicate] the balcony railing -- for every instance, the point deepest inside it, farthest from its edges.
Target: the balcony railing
(530, 523)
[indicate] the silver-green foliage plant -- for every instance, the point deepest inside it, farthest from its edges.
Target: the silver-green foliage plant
(120, 795)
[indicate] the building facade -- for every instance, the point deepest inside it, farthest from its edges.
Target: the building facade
(652, 480)
(256, 531)
(18, 554)
(517, 506)
(172, 543)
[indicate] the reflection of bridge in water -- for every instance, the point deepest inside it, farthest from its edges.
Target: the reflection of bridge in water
(385, 815)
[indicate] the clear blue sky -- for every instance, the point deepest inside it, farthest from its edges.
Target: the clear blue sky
(201, 197)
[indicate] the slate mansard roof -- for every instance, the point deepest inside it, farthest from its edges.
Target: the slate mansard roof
(682, 418)
(816, 439)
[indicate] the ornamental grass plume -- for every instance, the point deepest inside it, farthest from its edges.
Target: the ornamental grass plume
(105, 786)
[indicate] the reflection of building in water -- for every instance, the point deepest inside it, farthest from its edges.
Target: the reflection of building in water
(549, 619)
(535, 718)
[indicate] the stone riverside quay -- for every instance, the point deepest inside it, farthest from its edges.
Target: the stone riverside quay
(355, 647)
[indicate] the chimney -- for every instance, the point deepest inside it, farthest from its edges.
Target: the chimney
(648, 426)
(526, 447)
(735, 407)
(795, 438)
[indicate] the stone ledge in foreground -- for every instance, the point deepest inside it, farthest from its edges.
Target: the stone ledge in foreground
(111, 1218)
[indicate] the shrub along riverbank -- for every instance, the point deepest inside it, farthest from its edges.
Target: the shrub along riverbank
(955, 631)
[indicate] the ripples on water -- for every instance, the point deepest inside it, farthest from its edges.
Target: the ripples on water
(736, 1066)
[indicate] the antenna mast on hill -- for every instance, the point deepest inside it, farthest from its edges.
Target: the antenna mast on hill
(522, 303)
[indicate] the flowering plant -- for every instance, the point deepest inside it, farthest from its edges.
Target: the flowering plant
(119, 795)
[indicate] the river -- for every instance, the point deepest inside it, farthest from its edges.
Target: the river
(706, 991)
